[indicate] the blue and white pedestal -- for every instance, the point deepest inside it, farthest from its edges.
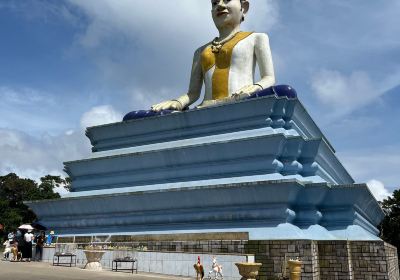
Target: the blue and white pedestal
(260, 167)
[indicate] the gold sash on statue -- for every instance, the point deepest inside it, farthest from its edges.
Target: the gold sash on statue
(222, 62)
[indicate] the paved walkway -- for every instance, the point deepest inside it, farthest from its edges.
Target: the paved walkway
(45, 271)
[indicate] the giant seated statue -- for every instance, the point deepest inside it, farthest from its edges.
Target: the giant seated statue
(226, 65)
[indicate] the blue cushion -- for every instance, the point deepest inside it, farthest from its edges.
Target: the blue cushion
(279, 90)
(144, 114)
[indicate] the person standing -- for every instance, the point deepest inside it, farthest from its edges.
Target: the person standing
(11, 236)
(14, 251)
(50, 238)
(28, 238)
(19, 238)
(39, 246)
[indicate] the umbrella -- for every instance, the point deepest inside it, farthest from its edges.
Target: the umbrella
(26, 227)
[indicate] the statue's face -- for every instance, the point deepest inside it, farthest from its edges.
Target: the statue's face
(226, 12)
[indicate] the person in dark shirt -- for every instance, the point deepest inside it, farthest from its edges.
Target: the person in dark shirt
(39, 246)
(19, 238)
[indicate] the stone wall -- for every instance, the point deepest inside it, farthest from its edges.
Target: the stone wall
(274, 255)
(392, 262)
(322, 260)
(369, 260)
(327, 260)
(334, 260)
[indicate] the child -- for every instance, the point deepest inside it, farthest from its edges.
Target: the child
(7, 250)
(17, 256)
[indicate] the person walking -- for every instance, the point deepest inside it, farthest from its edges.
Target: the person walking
(27, 253)
(39, 246)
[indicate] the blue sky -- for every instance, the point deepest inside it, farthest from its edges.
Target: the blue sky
(68, 64)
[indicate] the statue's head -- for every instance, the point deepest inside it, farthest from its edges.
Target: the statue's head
(229, 12)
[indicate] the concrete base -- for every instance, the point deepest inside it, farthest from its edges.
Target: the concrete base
(93, 259)
(45, 271)
(95, 266)
(322, 260)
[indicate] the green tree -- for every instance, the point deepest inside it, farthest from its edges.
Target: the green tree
(390, 226)
(15, 190)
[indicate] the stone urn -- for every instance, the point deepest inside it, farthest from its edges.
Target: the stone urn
(248, 271)
(295, 269)
(93, 259)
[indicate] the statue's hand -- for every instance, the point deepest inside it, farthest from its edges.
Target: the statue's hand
(245, 92)
(168, 105)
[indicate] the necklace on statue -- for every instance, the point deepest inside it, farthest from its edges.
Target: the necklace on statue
(216, 46)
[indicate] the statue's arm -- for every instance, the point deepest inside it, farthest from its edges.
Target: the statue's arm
(263, 55)
(196, 82)
(264, 60)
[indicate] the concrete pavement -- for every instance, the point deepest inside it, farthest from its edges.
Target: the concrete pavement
(45, 271)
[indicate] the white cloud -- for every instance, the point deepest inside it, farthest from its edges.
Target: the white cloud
(263, 15)
(100, 115)
(35, 111)
(34, 157)
(24, 96)
(342, 94)
(10, 139)
(374, 163)
(69, 132)
(378, 189)
(61, 190)
(35, 153)
(173, 21)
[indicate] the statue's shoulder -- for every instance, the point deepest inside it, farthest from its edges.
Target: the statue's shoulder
(262, 37)
(200, 50)
(259, 40)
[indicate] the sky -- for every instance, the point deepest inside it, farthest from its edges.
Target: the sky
(69, 64)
